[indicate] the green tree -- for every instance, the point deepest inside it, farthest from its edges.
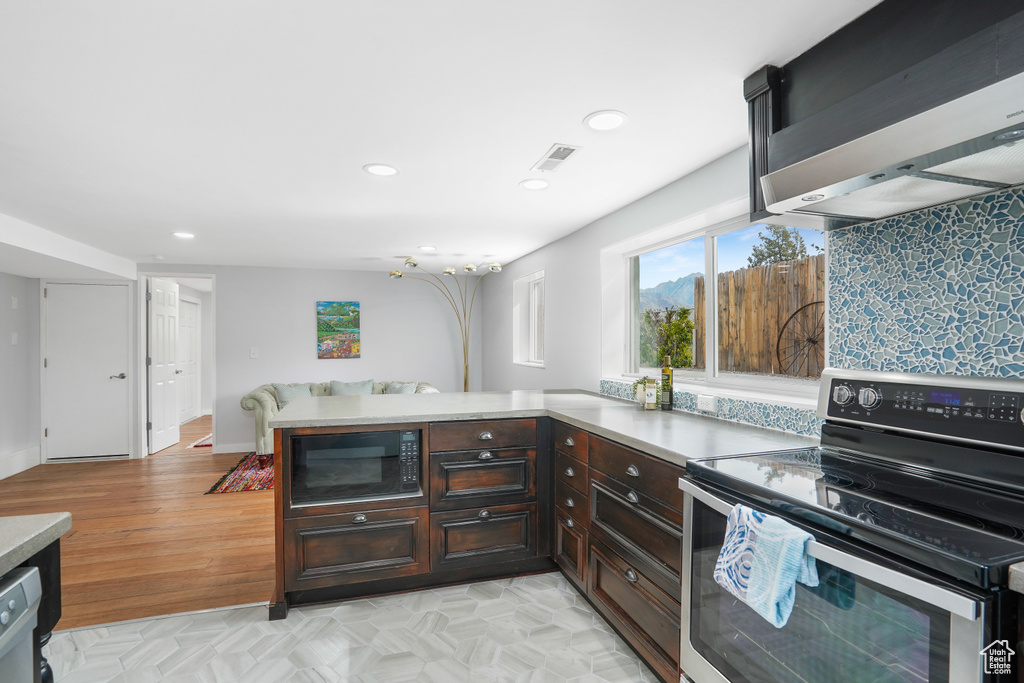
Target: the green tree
(779, 244)
(666, 332)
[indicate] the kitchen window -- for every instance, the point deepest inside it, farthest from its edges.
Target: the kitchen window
(764, 285)
(528, 320)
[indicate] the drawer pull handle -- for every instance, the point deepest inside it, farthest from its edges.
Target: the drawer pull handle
(632, 497)
(484, 514)
(485, 436)
(569, 472)
(359, 519)
(569, 441)
(569, 523)
(631, 576)
(632, 471)
(569, 503)
(486, 455)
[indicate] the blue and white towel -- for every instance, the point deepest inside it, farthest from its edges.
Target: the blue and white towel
(762, 558)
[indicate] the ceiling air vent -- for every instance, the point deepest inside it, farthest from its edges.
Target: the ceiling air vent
(555, 157)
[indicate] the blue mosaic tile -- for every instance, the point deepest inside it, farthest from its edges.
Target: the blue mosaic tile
(940, 290)
(770, 416)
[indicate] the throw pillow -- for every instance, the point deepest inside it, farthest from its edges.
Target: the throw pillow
(286, 393)
(400, 388)
(351, 388)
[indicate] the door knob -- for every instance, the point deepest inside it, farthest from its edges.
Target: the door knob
(178, 372)
(121, 376)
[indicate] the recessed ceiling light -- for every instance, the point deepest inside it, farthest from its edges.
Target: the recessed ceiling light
(427, 247)
(609, 119)
(533, 184)
(183, 235)
(380, 169)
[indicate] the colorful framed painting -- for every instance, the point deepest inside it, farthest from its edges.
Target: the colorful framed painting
(337, 329)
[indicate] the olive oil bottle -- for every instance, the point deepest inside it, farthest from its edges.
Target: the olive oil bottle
(666, 385)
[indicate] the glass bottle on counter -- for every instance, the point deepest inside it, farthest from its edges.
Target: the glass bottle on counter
(666, 385)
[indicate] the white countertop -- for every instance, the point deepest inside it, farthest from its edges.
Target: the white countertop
(671, 435)
(23, 536)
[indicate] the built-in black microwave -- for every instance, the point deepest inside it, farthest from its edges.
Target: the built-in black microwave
(339, 468)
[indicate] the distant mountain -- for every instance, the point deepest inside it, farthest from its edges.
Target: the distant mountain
(672, 293)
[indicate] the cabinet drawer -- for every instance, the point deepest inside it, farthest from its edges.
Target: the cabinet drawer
(647, 536)
(572, 472)
(656, 478)
(464, 436)
(350, 548)
(570, 440)
(643, 613)
(477, 478)
(571, 499)
(571, 547)
(483, 536)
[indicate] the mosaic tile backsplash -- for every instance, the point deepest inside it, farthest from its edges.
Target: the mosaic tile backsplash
(768, 415)
(940, 290)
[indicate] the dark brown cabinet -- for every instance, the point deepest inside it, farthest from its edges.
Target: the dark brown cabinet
(571, 547)
(483, 536)
(477, 478)
(354, 547)
(571, 440)
(648, 617)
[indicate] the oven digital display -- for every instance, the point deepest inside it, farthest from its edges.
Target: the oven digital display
(945, 398)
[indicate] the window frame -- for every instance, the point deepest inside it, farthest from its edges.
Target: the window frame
(787, 390)
(525, 318)
(535, 355)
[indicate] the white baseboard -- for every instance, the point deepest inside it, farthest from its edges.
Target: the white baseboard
(12, 463)
(233, 448)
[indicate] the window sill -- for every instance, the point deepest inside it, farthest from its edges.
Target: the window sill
(803, 396)
(528, 364)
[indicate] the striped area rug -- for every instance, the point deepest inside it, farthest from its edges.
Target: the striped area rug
(247, 476)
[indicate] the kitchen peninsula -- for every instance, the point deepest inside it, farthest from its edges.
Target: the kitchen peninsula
(508, 483)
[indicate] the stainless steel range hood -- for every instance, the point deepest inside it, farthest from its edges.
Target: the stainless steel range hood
(970, 146)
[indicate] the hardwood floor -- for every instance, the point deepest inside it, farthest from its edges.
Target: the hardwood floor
(145, 541)
(190, 432)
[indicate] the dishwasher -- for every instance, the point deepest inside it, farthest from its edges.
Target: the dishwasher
(20, 593)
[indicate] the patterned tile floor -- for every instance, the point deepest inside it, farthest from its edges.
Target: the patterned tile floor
(534, 629)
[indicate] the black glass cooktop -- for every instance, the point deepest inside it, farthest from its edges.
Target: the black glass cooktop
(966, 531)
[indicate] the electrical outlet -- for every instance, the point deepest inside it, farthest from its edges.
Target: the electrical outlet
(707, 404)
(14, 302)
(254, 352)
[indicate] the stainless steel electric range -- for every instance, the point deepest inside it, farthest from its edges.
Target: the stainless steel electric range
(915, 498)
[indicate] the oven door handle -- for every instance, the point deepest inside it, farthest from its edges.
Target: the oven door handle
(953, 603)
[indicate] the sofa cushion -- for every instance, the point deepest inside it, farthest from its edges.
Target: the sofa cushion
(286, 393)
(351, 388)
(400, 388)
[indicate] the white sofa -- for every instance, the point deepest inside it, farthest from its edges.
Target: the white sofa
(263, 400)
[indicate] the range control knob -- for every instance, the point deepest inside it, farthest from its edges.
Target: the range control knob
(866, 518)
(842, 395)
(869, 398)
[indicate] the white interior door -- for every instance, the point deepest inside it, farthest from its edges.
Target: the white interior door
(85, 384)
(188, 360)
(162, 362)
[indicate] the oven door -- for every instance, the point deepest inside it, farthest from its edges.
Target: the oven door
(865, 621)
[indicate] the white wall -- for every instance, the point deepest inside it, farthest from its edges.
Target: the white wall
(206, 358)
(573, 283)
(19, 370)
(408, 332)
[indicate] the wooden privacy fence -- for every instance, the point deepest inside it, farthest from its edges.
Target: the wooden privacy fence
(755, 305)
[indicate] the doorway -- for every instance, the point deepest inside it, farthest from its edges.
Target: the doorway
(177, 353)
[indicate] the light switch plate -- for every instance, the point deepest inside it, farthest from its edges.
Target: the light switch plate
(254, 352)
(708, 404)
(14, 338)
(14, 302)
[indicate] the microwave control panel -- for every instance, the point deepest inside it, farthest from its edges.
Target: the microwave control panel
(409, 459)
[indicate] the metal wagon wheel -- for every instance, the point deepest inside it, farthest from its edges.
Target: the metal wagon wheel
(800, 348)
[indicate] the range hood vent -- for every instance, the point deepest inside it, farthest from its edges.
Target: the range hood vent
(971, 146)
